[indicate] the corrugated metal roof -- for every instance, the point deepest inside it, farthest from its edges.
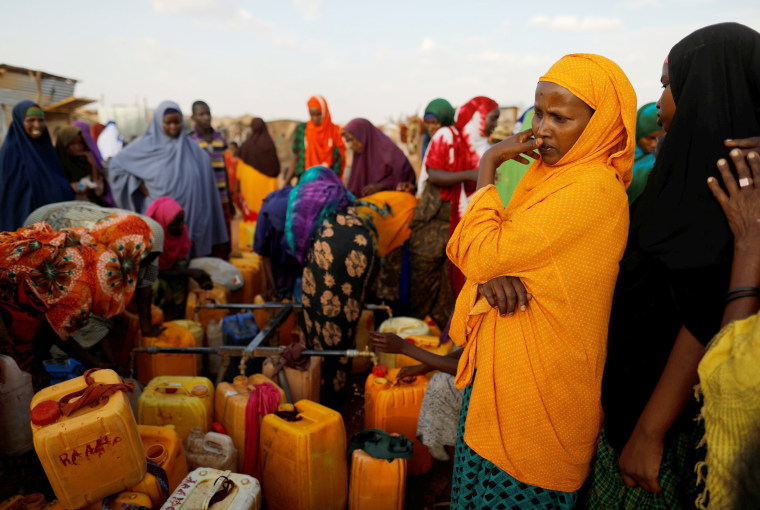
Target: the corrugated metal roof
(57, 89)
(11, 97)
(52, 89)
(24, 70)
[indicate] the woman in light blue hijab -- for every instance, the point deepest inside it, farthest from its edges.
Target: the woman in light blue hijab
(165, 162)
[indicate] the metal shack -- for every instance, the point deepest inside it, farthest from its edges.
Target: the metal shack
(55, 94)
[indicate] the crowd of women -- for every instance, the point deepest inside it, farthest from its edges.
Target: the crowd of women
(581, 264)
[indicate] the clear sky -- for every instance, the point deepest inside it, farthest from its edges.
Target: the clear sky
(373, 59)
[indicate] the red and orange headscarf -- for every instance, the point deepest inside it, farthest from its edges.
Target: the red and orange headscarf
(320, 141)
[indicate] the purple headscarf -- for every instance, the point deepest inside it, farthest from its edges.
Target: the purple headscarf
(379, 161)
(85, 129)
(318, 195)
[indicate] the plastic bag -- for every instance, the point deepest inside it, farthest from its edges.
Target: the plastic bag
(220, 271)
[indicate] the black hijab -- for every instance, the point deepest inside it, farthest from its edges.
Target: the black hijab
(680, 248)
(259, 151)
(715, 81)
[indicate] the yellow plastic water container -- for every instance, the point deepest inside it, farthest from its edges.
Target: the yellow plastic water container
(184, 402)
(198, 296)
(403, 327)
(94, 451)
(164, 447)
(304, 459)
(429, 343)
(376, 484)
(434, 329)
(393, 405)
(233, 491)
(151, 487)
(229, 407)
(303, 384)
(260, 316)
(154, 365)
(196, 329)
(251, 267)
(246, 233)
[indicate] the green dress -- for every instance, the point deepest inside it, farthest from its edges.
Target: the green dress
(510, 172)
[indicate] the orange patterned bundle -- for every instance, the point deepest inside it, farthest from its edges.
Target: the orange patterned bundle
(68, 274)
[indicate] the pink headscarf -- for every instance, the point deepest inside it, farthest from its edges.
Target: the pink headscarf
(164, 210)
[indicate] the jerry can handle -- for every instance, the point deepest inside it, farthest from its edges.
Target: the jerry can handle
(166, 385)
(212, 446)
(223, 485)
(92, 394)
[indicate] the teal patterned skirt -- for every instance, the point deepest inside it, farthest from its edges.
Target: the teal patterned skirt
(480, 484)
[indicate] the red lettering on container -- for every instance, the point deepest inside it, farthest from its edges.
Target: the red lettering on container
(91, 449)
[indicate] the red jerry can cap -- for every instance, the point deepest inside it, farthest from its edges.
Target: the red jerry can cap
(46, 413)
(379, 370)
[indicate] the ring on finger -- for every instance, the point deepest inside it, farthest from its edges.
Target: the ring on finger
(744, 182)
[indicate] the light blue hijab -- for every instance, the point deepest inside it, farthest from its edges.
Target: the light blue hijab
(171, 167)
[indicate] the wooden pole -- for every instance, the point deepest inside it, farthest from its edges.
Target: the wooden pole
(37, 77)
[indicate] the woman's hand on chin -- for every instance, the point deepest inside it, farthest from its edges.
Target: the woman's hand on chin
(515, 147)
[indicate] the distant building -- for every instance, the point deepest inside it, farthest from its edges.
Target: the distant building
(55, 94)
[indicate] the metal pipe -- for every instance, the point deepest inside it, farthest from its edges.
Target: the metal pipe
(274, 305)
(284, 385)
(258, 352)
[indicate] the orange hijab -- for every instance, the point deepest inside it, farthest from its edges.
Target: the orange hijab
(320, 141)
(609, 138)
(535, 408)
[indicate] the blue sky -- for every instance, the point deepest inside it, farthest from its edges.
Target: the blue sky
(378, 60)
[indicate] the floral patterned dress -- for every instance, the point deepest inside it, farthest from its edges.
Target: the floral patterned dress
(335, 278)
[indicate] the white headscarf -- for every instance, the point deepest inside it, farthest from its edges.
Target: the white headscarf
(110, 141)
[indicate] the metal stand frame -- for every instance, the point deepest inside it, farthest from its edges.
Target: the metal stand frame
(254, 348)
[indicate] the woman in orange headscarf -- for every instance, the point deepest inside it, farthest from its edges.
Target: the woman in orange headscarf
(317, 142)
(533, 314)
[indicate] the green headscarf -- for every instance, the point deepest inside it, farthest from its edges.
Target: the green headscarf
(646, 121)
(34, 111)
(443, 110)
